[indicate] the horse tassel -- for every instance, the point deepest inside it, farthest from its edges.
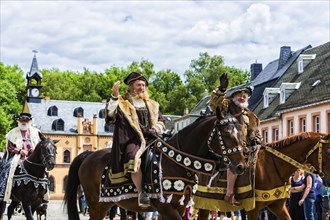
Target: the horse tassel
(162, 199)
(211, 179)
(169, 198)
(182, 200)
(191, 202)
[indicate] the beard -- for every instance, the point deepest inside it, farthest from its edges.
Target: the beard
(140, 95)
(23, 127)
(240, 104)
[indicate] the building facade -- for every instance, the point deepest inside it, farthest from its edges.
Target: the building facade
(79, 126)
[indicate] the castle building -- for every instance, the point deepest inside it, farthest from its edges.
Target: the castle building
(79, 126)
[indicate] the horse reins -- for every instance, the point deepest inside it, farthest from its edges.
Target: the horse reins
(37, 164)
(308, 168)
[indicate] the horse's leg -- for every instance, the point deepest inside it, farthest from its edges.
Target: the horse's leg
(11, 208)
(168, 212)
(2, 209)
(254, 213)
(279, 209)
(98, 210)
(203, 214)
(27, 210)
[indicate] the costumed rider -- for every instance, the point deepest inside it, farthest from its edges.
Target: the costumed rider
(20, 143)
(235, 102)
(136, 120)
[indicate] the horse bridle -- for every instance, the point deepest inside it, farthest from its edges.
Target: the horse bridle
(304, 166)
(43, 158)
(225, 152)
(319, 146)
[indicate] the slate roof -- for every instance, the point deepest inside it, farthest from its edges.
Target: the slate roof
(269, 75)
(201, 105)
(307, 94)
(34, 69)
(65, 112)
(266, 78)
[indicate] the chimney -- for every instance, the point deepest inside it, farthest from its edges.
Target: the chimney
(94, 127)
(285, 54)
(255, 69)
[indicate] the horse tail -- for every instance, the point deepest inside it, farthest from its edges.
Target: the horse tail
(73, 182)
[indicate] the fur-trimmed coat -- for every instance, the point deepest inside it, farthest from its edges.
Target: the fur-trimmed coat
(128, 131)
(245, 117)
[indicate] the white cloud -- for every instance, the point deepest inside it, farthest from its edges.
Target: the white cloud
(71, 35)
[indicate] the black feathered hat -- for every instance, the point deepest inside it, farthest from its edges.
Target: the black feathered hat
(135, 76)
(24, 116)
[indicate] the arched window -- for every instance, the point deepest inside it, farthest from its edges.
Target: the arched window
(78, 112)
(109, 128)
(58, 125)
(52, 111)
(102, 113)
(65, 182)
(66, 156)
(51, 184)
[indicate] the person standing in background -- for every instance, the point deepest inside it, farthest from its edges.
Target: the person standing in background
(295, 210)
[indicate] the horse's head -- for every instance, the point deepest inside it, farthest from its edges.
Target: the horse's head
(229, 142)
(48, 152)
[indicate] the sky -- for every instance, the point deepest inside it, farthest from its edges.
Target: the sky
(73, 35)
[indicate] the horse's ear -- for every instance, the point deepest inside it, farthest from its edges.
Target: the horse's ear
(55, 141)
(41, 136)
(219, 114)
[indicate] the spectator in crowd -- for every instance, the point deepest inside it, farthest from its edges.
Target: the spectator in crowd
(308, 198)
(319, 197)
(296, 211)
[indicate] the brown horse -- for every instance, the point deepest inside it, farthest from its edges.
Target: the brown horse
(221, 135)
(277, 162)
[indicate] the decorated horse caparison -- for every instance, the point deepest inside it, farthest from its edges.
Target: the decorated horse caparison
(180, 158)
(276, 162)
(30, 183)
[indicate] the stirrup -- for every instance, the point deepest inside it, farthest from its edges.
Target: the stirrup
(232, 200)
(143, 200)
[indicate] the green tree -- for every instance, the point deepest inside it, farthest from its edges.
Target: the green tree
(162, 84)
(203, 75)
(12, 95)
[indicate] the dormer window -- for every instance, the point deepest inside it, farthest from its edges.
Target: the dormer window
(78, 112)
(304, 60)
(287, 89)
(102, 113)
(52, 111)
(269, 95)
(58, 125)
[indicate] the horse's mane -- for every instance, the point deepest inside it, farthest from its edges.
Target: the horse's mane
(290, 140)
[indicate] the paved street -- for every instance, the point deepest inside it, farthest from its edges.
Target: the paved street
(55, 212)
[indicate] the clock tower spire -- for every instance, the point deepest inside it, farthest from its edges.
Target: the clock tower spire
(33, 78)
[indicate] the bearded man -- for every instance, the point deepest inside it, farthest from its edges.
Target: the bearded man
(136, 120)
(21, 142)
(236, 103)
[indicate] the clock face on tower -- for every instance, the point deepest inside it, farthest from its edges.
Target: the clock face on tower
(35, 92)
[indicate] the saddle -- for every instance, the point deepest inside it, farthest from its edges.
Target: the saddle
(151, 180)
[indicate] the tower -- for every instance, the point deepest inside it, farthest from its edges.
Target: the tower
(33, 78)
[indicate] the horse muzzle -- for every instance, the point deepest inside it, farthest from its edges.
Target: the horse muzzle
(239, 169)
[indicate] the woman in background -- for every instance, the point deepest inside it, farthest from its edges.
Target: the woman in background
(296, 211)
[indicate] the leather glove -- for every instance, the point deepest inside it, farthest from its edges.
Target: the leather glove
(223, 82)
(255, 142)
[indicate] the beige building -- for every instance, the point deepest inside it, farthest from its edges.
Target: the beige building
(79, 126)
